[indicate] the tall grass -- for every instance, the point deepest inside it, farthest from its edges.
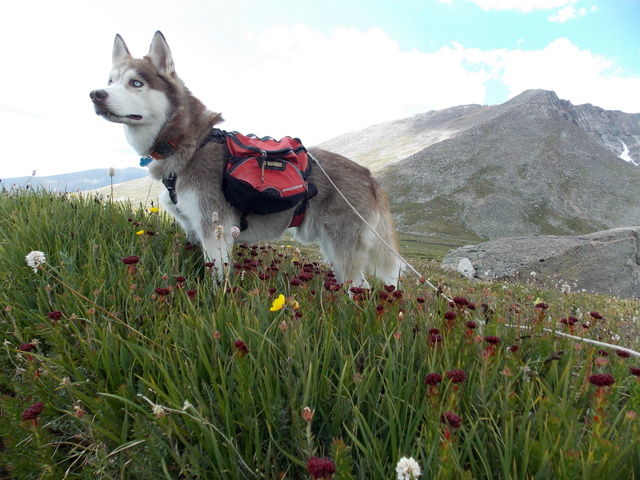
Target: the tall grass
(151, 370)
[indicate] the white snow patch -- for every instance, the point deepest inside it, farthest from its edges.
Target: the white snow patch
(625, 155)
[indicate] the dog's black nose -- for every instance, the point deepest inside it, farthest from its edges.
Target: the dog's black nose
(98, 95)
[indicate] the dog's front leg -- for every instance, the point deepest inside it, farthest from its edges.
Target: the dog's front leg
(217, 245)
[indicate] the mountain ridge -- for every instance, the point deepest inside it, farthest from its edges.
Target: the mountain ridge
(526, 167)
(379, 145)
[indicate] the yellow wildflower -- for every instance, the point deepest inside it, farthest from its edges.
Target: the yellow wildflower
(154, 209)
(278, 303)
(140, 232)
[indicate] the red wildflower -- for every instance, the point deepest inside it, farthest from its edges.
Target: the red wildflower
(492, 340)
(514, 348)
(242, 347)
(181, 279)
(357, 290)
(450, 315)
(596, 315)
(456, 376)
(331, 285)
(471, 325)
(461, 301)
(432, 379)
(623, 353)
(635, 371)
(162, 291)
(32, 412)
(26, 347)
(304, 276)
(602, 380)
(320, 467)
(541, 306)
(191, 293)
(571, 321)
(131, 260)
(451, 419)
(55, 315)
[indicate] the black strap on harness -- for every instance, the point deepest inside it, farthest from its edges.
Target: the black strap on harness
(170, 184)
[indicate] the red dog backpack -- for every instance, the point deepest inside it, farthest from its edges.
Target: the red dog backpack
(264, 175)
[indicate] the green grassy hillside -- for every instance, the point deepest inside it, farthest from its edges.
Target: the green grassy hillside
(121, 358)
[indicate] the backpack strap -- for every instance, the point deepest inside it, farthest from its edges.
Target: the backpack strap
(170, 184)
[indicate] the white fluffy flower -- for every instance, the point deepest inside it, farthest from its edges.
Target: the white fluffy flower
(35, 259)
(408, 469)
(159, 411)
(235, 231)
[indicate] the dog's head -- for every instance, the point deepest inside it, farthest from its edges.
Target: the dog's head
(136, 93)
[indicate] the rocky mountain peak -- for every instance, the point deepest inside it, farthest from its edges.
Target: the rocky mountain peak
(536, 164)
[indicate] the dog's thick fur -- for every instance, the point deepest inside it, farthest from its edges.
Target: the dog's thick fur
(154, 105)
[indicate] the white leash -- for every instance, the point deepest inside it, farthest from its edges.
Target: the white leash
(422, 277)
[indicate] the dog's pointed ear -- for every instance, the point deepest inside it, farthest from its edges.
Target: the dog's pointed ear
(120, 50)
(160, 55)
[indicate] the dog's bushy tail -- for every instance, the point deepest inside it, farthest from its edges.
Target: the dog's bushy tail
(383, 256)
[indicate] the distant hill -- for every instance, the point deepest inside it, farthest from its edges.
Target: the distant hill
(533, 165)
(70, 182)
(141, 191)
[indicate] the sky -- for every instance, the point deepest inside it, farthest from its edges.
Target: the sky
(306, 68)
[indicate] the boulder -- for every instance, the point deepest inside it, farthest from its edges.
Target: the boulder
(606, 262)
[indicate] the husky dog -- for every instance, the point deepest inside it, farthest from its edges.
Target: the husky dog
(163, 120)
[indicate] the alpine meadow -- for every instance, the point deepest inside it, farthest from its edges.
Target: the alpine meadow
(123, 358)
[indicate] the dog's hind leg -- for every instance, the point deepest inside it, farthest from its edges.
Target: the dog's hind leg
(347, 255)
(383, 260)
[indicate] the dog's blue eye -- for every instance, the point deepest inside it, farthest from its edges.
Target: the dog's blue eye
(137, 83)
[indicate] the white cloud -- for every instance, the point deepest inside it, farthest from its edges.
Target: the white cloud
(577, 75)
(524, 6)
(344, 82)
(567, 13)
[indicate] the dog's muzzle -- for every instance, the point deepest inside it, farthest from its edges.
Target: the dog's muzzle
(98, 96)
(99, 99)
